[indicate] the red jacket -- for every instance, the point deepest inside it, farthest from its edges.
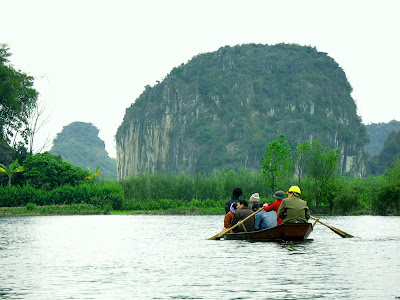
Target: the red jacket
(274, 206)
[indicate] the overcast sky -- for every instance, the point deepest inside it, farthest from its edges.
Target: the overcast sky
(91, 58)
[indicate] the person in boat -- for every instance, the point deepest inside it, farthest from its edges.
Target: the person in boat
(293, 209)
(278, 196)
(237, 192)
(254, 201)
(243, 211)
(264, 219)
(229, 216)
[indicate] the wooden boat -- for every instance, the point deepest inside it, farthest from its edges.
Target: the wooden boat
(285, 232)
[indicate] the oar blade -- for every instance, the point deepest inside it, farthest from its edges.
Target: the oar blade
(215, 237)
(221, 234)
(335, 230)
(340, 232)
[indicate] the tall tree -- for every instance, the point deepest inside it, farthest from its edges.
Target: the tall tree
(277, 162)
(321, 166)
(300, 156)
(17, 99)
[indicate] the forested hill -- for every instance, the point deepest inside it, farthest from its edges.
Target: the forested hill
(79, 144)
(221, 109)
(387, 156)
(378, 134)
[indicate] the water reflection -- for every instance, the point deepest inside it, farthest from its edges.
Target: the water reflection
(295, 247)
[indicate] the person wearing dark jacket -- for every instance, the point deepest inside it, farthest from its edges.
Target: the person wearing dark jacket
(243, 211)
(237, 192)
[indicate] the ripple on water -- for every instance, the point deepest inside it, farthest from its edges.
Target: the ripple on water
(170, 257)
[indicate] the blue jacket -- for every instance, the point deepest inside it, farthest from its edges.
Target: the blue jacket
(265, 219)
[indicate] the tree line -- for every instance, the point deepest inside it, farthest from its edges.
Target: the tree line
(45, 179)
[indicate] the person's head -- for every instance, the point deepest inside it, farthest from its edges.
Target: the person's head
(242, 203)
(279, 195)
(237, 192)
(255, 198)
(294, 191)
(255, 206)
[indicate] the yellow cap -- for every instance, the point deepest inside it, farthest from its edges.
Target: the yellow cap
(294, 189)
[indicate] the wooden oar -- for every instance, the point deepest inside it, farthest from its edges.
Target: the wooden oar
(223, 232)
(338, 231)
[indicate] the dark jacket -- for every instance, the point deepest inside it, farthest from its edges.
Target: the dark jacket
(296, 210)
(241, 214)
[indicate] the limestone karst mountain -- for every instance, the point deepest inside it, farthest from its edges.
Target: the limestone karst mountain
(221, 109)
(79, 144)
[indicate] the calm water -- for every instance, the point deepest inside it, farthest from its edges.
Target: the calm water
(169, 257)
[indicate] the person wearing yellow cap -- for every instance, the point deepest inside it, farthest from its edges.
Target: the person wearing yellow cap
(293, 209)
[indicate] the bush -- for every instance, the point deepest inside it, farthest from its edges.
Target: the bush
(20, 196)
(30, 207)
(169, 204)
(44, 170)
(387, 200)
(106, 195)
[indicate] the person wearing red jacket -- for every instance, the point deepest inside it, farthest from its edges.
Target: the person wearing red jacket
(229, 216)
(278, 196)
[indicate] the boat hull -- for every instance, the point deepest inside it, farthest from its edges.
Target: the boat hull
(285, 232)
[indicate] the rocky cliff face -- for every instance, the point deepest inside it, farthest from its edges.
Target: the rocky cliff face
(221, 109)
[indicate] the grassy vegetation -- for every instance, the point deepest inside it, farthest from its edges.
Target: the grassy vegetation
(202, 194)
(50, 210)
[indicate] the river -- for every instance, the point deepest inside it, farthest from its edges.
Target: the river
(170, 257)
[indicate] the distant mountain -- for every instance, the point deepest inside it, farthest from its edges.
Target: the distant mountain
(221, 109)
(79, 144)
(389, 153)
(378, 134)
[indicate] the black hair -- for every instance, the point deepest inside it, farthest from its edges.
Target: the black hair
(255, 206)
(244, 202)
(237, 192)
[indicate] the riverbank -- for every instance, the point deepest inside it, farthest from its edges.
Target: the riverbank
(51, 210)
(87, 209)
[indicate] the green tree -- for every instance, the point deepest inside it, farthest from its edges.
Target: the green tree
(300, 157)
(321, 166)
(17, 99)
(49, 171)
(11, 170)
(388, 200)
(277, 162)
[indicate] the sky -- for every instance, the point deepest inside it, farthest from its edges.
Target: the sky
(91, 59)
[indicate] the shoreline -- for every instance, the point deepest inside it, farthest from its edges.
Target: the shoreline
(87, 209)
